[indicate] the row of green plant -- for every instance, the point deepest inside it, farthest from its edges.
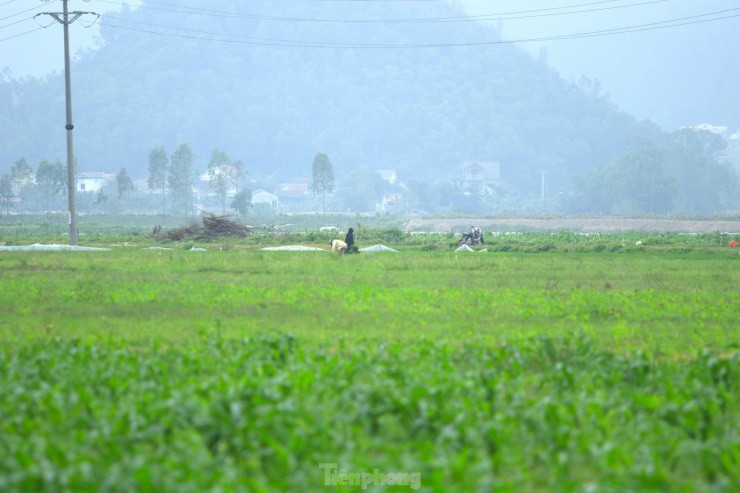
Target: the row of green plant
(154, 370)
(243, 370)
(262, 414)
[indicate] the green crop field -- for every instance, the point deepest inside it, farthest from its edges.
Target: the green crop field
(549, 363)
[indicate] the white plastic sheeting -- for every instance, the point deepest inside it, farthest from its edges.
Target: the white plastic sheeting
(60, 248)
(378, 248)
(52, 248)
(295, 248)
(466, 248)
(194, 249)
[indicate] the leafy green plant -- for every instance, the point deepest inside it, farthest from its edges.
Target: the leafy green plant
(242, 370)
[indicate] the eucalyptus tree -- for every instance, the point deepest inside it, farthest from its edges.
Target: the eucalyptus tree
(6, 193)
(51, 180)
(22, 179)
(180, 178)
(158, 169)
(323, 178)
(223, 176)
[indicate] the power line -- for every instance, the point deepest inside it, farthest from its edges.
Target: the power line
(16, 22)
(22, 12)
(20, 34)
(244, 39)
(522, 14)
(530, 13)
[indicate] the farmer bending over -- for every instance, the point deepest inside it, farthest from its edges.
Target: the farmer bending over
(338, 246)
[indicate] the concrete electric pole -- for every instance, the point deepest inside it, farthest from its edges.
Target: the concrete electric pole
(66, 18)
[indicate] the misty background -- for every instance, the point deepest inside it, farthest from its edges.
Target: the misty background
(640, 116)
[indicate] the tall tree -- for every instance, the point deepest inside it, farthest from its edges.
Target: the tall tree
(323, 178)
(124, 184)
(640, 182)
(222, 176)
(51, 180)
(242, 202)
(241, 171)
(6, 193)
(158, 168)
(21, 177)
(361, 190)
(181, 176)
(705, 179)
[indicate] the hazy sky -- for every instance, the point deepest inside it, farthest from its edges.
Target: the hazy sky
(675, 76)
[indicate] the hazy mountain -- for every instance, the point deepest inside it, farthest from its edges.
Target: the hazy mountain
(676, 64)
(255, 88)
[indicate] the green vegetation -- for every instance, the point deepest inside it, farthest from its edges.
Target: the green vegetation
(566, 370)
(261, 414)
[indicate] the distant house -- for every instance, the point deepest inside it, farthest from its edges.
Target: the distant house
(142, 185)
(298, 190)
(92, 181)
(208, 183)
(479, 175)
(261, 197)
(295, 196)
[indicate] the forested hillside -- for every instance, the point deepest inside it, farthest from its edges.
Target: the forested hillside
(274, 103)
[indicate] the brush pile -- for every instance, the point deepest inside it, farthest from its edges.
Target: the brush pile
(212, 227)
(217, 226)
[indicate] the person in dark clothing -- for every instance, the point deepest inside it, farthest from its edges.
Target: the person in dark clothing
(350, 240)
(468, 238)
(477, 235)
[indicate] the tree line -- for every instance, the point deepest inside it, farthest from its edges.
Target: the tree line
(685, 171)
(172, 178)
(176, 173)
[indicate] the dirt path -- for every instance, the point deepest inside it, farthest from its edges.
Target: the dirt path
(581, 225)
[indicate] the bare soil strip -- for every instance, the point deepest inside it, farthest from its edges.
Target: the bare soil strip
(581, 225)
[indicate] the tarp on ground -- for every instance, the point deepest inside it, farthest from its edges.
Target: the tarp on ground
(377, 248)
(295, 248)
(52, 248)
(466, 248)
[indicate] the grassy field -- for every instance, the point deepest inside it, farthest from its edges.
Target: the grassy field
(578, 368)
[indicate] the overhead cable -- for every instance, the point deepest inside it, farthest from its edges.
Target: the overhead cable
(243, 39)
(522, 14)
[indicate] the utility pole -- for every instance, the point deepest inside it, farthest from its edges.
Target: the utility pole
(66, 18)
(543, 190)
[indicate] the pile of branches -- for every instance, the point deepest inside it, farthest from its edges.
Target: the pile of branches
(212, 226)
(216, 226)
